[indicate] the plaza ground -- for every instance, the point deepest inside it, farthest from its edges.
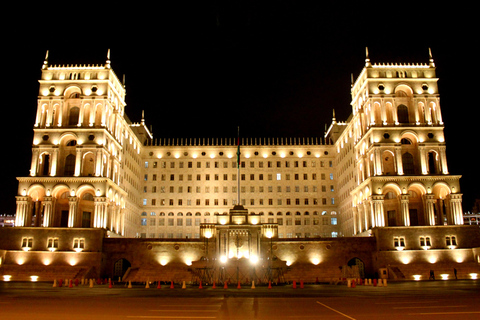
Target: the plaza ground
(399, 300)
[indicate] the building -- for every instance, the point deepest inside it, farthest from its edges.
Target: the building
(381, 175)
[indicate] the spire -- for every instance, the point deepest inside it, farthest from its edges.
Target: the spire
(107, 63)
(351, 80)
(45, 62)
(334, 120)
(367, 59)
(432, 63)
(143, 116)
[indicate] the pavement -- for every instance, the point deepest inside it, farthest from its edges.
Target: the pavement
(450, 299)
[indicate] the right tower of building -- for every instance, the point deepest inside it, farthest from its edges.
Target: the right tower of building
(391, 159)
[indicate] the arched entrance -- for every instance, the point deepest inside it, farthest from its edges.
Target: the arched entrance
(357, 263)
(120, 267)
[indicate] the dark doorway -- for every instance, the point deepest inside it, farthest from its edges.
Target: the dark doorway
(64, 219)
(413, 217)
(86, 219)
(360, 265)
(120, 267)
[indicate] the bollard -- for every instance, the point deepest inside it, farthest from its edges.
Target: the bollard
(380, 283)
(129, 285)
(374, 282)
(384, 282)
(354, 285)
(294, 284)
(70, 285)
(269, 284)
(301, 284)
(349, 283)
(90, 285)
(213, 286)
(110, 283)
(54, 283)
(370, 282)
(253, 284)
(238, 285)
(225, 285)
(200, 286)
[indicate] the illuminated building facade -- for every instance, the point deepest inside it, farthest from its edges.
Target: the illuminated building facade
(310, 202)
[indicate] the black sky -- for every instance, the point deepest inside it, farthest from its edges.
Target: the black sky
(274, 68)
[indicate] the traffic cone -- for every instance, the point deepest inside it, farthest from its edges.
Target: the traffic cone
(184, 286)
(70, 284)
(159, 286)
(147, 286)
(60, 282)
(238, 285)
(54, 283)
(374, 282)
(354, 284)
(171, 285)
(294, 284)
(200, 286)
(269, 284)
(253, 284)
(129, 285)
(110, 283)
(213, 286)
(301, 284)
(225, 285)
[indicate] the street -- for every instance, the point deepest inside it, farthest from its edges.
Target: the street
(401, 300)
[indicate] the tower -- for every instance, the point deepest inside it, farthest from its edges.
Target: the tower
(80, 139)
(400, 175)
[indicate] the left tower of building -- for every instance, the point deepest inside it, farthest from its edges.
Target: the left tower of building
(82, 140)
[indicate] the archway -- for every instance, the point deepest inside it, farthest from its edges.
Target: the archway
(357, 265)
(120, 267)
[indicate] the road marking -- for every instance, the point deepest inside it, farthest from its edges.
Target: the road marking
(429, 307)
(459, 312)
(400, 302)
(343, 314)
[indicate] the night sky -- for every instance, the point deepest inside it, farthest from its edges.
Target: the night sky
(274, 68)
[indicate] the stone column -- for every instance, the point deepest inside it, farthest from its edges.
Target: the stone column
(53, 163)
(429, 201)
(456, 215)
(398, 156)
(100, 212)
(404, 209)
(78, 161)
(33, 167)
(443, 160)
(22, 209)
(72, 212)
(47, 211)
(378, 212)
(355, 224)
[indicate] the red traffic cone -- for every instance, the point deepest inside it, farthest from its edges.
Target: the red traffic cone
(294, 284)
(301, 284)
(225, 285)
(200, 286)
(238, 285)
(171, 285)
(76, 282)
(60, 282)
(213, 286)
(353, 284)
(269, 284)
(110, 283)
(70, 284)
(159, 286)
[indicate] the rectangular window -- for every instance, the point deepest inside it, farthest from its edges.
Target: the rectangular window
(143, 222)
(78, 244)
(333, 221)
(52, 244)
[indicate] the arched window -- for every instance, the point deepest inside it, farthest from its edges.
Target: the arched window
(402, 114)
(432, 162)
(407, 160)
(69, 165)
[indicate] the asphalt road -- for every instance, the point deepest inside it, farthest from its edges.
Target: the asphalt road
(403, 300)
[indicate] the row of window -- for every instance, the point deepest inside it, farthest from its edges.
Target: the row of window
(243, 189)
(170, 222)
(52, 244)
(198, 214)
(289, 235)
(243, 164)
(424, 241)
(243, 177)
(252, 202)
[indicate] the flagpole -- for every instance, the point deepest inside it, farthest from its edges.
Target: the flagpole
(238, 166)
